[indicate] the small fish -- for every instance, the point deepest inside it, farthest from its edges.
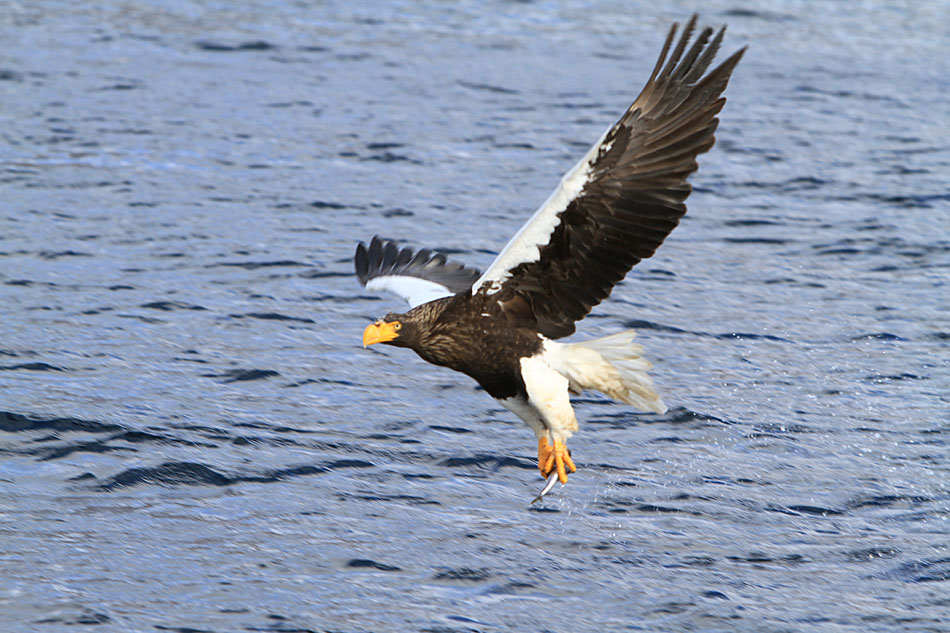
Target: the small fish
(552, 479)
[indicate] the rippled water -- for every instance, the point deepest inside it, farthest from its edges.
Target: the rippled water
(193, 439)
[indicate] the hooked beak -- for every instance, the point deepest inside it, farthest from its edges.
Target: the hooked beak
(380, 332)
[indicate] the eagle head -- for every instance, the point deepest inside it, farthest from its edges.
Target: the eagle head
(394, 329)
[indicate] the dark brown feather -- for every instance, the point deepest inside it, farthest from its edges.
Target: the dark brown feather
(381, 258)
(635, 192)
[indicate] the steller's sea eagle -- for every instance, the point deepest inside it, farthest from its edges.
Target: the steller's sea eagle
(614, 208)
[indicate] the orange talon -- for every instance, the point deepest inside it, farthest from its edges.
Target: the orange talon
(563, 461)
(545, 456)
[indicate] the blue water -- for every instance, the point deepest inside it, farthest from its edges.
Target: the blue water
(193, 438)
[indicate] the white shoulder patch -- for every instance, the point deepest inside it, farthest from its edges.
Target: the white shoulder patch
(414, 290)
(526, 245)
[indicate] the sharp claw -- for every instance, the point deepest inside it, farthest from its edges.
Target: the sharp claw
(555, 459)
(561, 475)
(569, 462)
(545, 456)
(563, 461)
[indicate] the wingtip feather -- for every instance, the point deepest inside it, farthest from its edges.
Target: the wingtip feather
(384, 258)
(361, 263)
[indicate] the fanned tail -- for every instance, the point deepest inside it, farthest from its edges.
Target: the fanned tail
(612, 365)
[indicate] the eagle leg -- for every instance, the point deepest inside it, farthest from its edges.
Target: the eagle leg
(559, 459)
(545, 456)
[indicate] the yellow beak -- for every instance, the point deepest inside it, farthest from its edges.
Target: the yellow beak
(380, 332)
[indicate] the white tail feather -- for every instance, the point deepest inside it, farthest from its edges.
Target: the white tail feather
(611, 365)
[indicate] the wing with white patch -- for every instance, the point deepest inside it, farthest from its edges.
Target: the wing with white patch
(618, 204)
(417, 277)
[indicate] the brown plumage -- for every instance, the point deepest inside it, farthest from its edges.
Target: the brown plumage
(468, 334)
(612, 210)
(635, 194)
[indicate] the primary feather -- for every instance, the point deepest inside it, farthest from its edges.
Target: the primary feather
(417, 277)
(618, 204)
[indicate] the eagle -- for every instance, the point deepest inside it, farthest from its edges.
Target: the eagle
(611, 210)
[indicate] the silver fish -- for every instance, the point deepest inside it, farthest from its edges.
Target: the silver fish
(552, 479)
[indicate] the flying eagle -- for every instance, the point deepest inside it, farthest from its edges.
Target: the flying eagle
(613, 209)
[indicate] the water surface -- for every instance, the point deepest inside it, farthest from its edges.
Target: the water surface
(193, 439)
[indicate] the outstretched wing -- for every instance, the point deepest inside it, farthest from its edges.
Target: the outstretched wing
(618, 204)
(416, 277)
